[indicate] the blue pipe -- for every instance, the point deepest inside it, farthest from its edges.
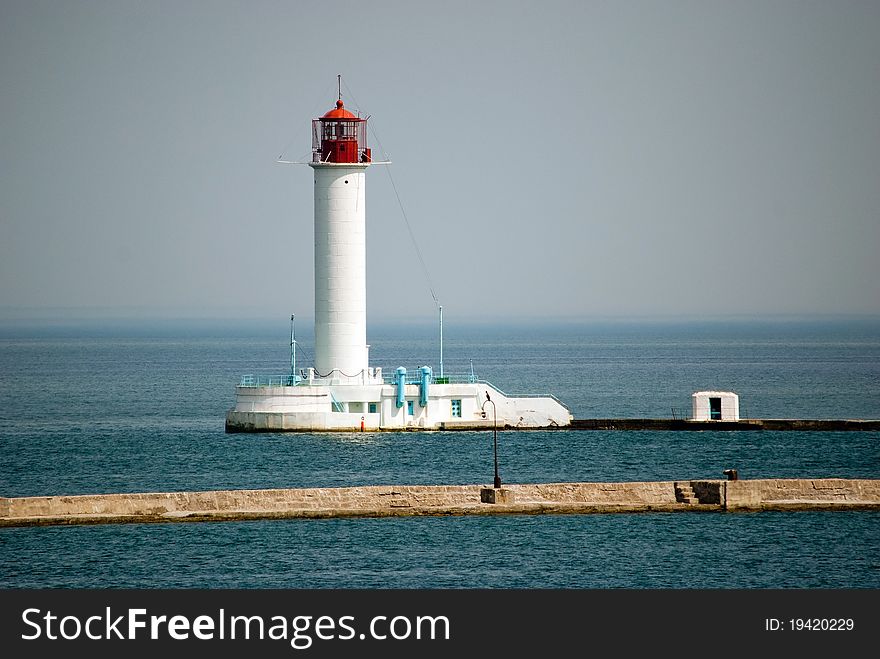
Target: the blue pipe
(425, 381)
(401, 386)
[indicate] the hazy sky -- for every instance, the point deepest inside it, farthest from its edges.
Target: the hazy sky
(555, 159)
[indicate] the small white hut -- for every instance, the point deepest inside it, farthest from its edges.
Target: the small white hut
(715, 406)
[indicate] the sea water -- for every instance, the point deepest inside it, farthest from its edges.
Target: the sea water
(93, 409)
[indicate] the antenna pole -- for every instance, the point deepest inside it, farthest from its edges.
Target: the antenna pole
(339, 86)
(292, 350)
(441, 340)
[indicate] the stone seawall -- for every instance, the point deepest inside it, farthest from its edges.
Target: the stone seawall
(407, 500)
(824, 425)
(781, 494)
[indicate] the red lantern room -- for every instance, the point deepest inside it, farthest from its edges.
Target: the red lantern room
(340, 137)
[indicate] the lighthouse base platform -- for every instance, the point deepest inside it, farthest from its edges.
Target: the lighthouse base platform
(306, 406)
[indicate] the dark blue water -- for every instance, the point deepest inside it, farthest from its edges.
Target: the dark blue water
(141, 409)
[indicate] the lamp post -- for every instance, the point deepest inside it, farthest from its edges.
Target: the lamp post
(494, 435)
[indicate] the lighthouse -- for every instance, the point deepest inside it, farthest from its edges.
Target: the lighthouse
(340, 158)
(341, 391)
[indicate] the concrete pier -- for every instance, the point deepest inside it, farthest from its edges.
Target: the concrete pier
(444, 500)
(826, 425)
(254, 422)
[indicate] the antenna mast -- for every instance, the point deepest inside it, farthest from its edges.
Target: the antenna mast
(441, 340)
(293, 376)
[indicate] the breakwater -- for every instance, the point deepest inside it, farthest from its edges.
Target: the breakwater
(440, 500)
(257, 422)
(833, 425)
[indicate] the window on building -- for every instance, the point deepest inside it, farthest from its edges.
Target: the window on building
(409, 407)
(456, 407)
(373, 408)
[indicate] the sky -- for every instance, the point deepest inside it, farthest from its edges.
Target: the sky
(554, 160)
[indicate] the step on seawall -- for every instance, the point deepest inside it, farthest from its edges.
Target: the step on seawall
(444, 500)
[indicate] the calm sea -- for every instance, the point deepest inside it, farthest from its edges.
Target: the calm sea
(128, 409)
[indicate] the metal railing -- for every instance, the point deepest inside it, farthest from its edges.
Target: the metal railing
(413, 377)
(505, 394)
(268, 381)
(305, 377)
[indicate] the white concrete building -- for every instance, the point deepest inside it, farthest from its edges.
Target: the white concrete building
(715, 406)
(261, 405)
(341, 391)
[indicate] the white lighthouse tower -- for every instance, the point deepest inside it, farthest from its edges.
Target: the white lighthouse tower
(340, 157)
(342, 392)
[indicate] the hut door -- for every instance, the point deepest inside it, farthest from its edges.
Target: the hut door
(715, 409)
